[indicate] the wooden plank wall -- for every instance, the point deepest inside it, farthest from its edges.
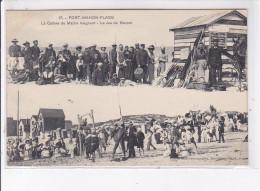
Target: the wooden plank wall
(185, 39)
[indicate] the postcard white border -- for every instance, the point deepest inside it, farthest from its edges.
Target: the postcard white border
(141, 178)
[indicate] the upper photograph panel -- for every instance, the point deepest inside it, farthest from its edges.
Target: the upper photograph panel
(193, 49)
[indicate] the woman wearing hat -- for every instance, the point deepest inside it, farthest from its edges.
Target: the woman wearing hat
(151, 62)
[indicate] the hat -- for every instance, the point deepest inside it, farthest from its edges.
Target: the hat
(80, 55)
(26, 43)
(78, 47)
(99, 64)
(93, 45)
(50, 44)
(65, 45)
(102, 47)
(114, 45)
(162, 47)
(114, 74)
(120, 45)
(35, 41)
(14, 40)
(151, 47)
(136, 44)
(142, 45)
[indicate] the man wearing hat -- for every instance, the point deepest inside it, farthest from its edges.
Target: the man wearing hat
(121, 62)
(136, 47)
(142, 60)
(87, 60)
(95, 58)
(112, 61)
(49, 55)
(35, 50)
(35, 58)
(151, 62)
(65, 56)
(105, 66)
(14, 49)
(215, 62)
(79, 50)
(27, 53)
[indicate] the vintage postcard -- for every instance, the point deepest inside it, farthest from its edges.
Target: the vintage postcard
(126, 88)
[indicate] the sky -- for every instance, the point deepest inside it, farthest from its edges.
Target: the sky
(148, 26)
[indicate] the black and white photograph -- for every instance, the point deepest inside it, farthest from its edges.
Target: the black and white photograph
(128, 88)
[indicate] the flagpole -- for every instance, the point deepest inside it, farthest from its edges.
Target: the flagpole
(93, 121)
(79, 134)
(120, 111)
(18, 113)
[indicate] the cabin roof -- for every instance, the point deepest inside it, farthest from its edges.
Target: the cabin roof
(52, 113)
(206, 19)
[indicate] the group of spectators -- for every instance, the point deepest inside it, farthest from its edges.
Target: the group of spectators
(179, 137)
(89, 65)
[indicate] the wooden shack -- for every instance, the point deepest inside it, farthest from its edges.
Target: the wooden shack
(11, 127)
(225, 26)
(51, 119)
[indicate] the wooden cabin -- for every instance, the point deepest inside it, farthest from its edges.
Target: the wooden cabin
(24, 128)
(51, 119)
(11, 127)
(224, 26)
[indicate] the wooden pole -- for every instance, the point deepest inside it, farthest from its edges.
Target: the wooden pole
(92, 116)
(120, 110)
(80, 143)
(18, 114)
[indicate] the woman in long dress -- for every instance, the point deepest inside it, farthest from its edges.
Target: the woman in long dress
(200, 59)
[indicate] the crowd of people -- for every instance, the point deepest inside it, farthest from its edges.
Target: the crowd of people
(84, 65)
(179, 137)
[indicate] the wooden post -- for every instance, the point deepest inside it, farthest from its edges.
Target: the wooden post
(92, 116)
(80, 143)
(18, 115)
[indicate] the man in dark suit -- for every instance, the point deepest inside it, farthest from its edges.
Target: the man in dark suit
(112, 61)
(142, 60)
(27, 53)
(95, 58)
(35, 58)
(215, 62)
(221, 129)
